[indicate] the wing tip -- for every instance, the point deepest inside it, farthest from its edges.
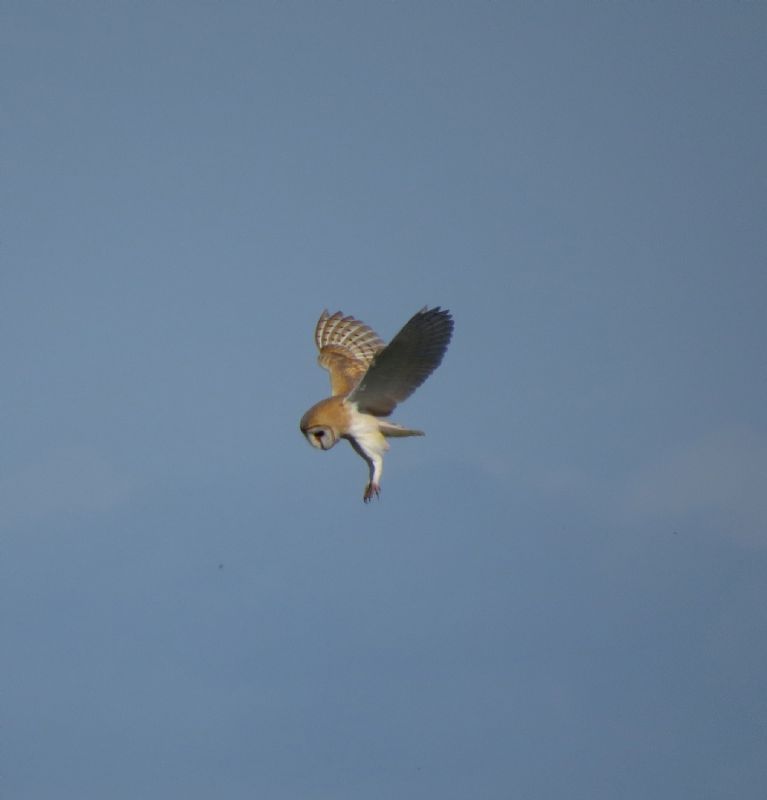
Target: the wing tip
(439, 318)
(436, 312)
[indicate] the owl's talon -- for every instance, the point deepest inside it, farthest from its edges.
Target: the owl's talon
(371, 490)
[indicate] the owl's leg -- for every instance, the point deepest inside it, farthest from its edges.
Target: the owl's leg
(372, 451)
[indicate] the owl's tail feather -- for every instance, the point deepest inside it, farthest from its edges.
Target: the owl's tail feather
(392, 429)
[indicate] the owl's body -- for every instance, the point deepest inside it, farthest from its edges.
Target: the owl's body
(368, 379)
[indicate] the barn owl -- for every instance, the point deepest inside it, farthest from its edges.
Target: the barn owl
(367, 380)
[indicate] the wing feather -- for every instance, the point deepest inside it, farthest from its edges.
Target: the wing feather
(401, 367)
(347, 348)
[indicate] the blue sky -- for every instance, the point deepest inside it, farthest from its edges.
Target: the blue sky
(561, 592)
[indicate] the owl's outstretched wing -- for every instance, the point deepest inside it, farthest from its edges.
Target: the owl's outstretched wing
(347, 348)
(405, 363)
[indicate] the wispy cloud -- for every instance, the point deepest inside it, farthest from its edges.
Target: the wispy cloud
(75, 479)
(723, 475)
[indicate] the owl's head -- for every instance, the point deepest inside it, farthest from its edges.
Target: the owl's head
(323, 423)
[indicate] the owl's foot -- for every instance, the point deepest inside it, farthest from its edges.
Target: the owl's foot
(371, 490)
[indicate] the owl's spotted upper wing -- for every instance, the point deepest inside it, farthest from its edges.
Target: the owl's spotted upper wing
(408, 360)
(347, 348)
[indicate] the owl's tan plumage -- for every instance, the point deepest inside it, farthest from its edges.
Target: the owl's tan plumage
(347, 348)
(368, 379)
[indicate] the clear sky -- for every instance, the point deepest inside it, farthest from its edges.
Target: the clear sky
(562, 592)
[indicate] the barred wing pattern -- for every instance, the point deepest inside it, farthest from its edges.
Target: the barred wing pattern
(347, 348)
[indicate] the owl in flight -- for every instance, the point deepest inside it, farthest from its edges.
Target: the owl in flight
(367, 380)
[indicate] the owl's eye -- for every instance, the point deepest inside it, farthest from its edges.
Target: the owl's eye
(321, 437)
